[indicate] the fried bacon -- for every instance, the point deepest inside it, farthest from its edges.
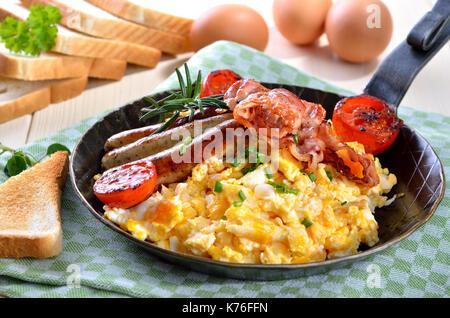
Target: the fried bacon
(255, 106)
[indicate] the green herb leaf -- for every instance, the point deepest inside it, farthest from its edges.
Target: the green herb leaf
(188, 99)
(183, 150)
(313, 178)
(56, 147)
(218, 187)
(224, 217)
(242, 195)
(16, 164)
(268, 172)
(307, 223)
(344, 203)
(198, 85)
(187, 140)
(34, 35)
(295, 137)
(282, 188)
(236, 162)
(167, 123)
(189, 88)
(330, 175)
(237, 203)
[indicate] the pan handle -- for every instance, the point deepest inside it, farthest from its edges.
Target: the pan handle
(396, 73)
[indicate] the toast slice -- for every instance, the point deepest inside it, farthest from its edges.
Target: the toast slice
(84, 17)
(148, 13)
(30, 203)
(73, 43)
(46, 66)
(18, 98)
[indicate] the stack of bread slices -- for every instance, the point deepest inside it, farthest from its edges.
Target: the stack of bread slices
(96, 38)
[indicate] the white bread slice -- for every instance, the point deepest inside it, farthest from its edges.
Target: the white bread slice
(19, 98)
(148, 13)
(46, 66)
(84, 17)
(73, 43)
(108, 69)
(30, 203)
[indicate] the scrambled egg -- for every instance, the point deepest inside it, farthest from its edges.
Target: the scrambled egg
(245, 219)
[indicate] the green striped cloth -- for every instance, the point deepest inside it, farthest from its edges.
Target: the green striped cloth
(112, 266)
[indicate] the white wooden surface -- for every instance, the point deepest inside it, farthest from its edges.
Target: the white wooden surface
(429, 92)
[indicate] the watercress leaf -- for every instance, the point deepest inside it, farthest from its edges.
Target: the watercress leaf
(56, 147)
(16, 164)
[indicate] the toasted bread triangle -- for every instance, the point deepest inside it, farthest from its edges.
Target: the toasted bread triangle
(30, 223)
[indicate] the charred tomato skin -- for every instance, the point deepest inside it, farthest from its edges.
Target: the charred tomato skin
(218, 82)
(367, 120)
(126, 186)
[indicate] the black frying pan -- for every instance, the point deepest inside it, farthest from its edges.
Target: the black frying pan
(411, 158)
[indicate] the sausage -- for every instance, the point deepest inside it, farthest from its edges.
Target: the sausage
(169, 171)
(153, 144)
(128, 136)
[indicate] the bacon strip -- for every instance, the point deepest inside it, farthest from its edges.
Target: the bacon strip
(255, 106)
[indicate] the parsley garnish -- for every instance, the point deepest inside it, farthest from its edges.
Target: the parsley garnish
(36, 34)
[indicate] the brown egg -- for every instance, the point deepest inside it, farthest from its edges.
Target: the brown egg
(300, 21)
(358, 30)
(232, 22)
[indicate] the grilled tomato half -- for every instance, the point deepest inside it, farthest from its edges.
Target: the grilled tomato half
(367, 120)
(127, 185)
(218, 82)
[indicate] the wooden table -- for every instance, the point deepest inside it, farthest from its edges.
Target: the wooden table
(429, 92)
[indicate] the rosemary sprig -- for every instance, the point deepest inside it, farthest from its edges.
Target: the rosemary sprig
(187, 99)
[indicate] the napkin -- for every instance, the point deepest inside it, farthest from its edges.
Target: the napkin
(98, 262)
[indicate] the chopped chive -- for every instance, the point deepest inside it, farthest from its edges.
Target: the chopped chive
(261, 157)
(313, 178)
(344, 203)
(295, 137)
(187, 140)
(237, 203)
(282, 188)
(235, 162)
(307, 223)
(242, 195)
(268, 172)
(330, 175)
(218, 187)
(183, 149)
(224, 217)
(303, 171)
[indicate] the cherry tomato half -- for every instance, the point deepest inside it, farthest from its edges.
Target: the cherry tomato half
(367, 120)
(127, 185)
(218, 82)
